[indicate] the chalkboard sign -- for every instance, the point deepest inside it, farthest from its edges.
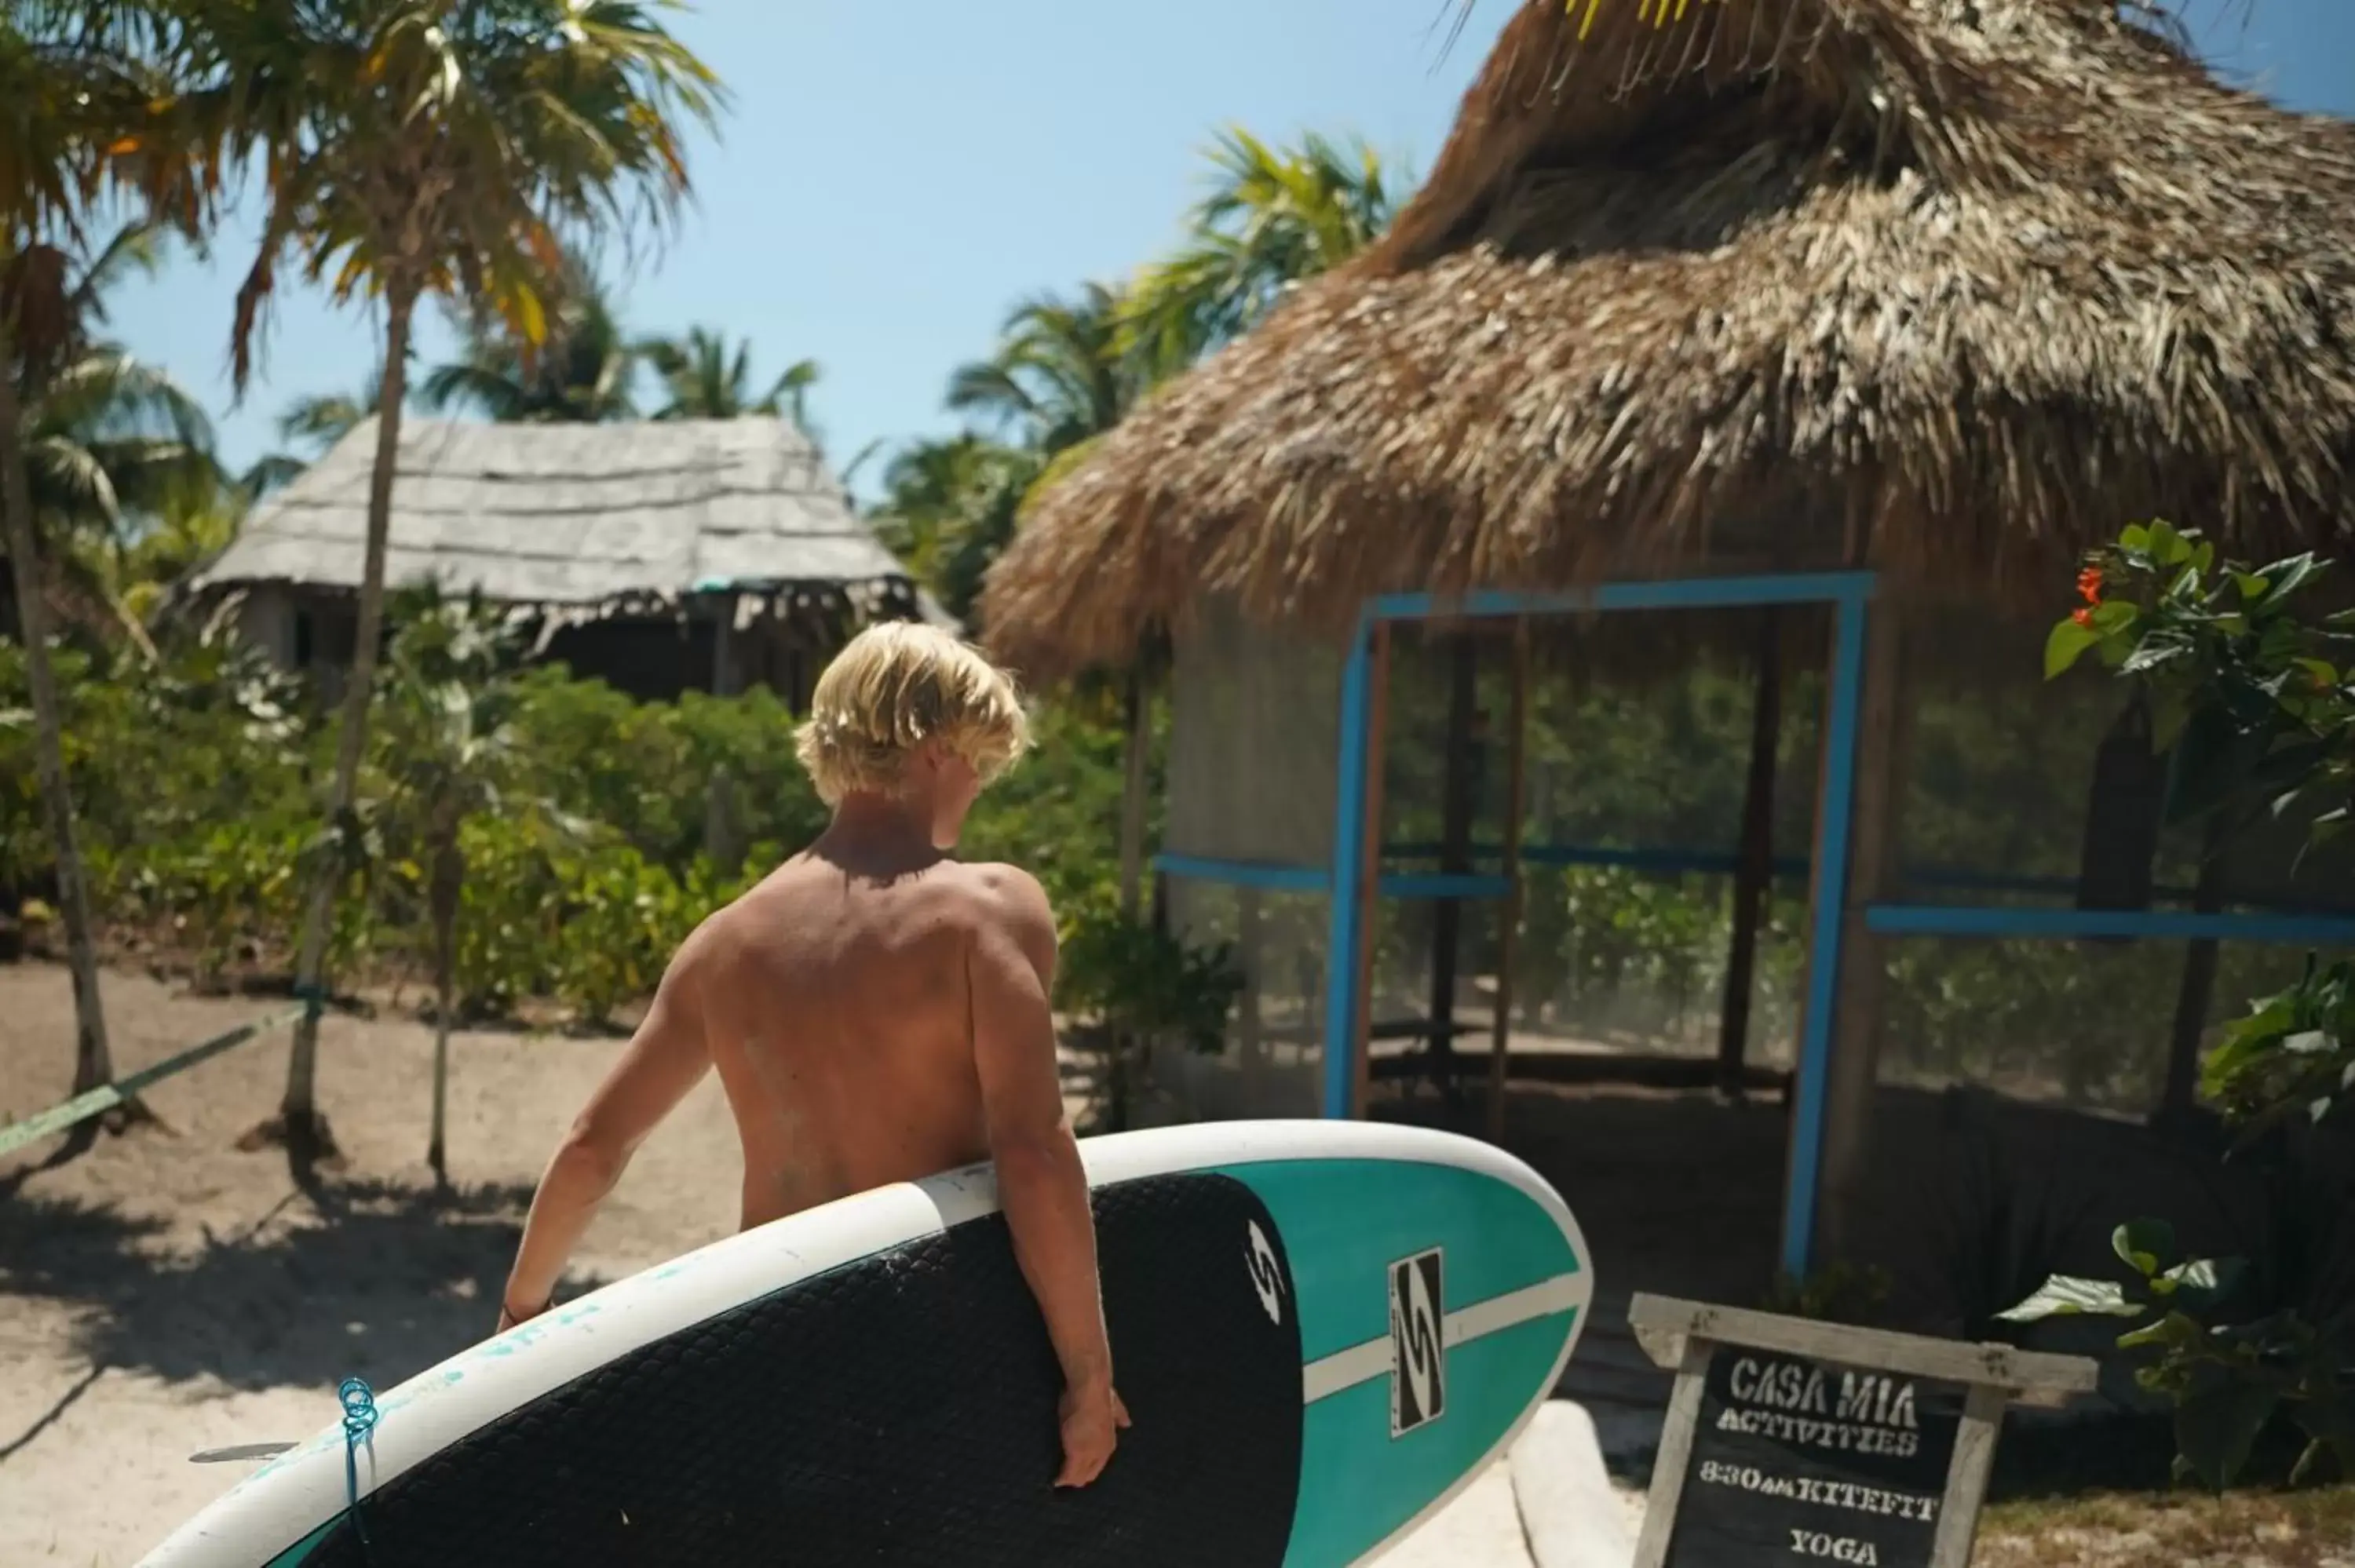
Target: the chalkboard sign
(1794, 1442)
(1801, 1460)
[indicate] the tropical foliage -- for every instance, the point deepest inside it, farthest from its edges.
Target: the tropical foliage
(311, 425)
(949, 508)
(87, 125)
(579, 811)
(2253, 699)
(1068, 367)
(1271, 218)
(571, 364)
(449, 698)
(410, 150)
(111, 446)
(704, 379)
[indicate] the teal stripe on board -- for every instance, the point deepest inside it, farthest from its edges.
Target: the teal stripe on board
(1344, 1222)
(295, 1555)
(1359, 1485)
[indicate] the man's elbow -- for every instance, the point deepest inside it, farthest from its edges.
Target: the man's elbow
(593, 1157)
(1034, 1154)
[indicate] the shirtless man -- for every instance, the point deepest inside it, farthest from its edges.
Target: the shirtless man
(877, 1011)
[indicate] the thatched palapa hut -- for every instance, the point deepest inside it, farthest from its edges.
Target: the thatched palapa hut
(662, 556)
(1887, 308)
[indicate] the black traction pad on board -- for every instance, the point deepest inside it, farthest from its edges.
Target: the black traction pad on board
(901, 1410)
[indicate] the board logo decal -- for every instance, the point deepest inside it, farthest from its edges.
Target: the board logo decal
(1418, 1351)
(1266, 1278)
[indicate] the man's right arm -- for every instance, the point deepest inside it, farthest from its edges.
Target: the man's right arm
(1041, 1184)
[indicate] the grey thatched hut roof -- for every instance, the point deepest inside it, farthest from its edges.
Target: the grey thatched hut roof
(575, 518)
(1949, 289)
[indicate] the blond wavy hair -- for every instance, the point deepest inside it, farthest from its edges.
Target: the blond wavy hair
(894, 687)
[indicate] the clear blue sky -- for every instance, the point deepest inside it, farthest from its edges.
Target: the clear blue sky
(895, 176)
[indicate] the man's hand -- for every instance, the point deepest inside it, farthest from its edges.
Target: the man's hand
(511, 1317)
(1092, 1419)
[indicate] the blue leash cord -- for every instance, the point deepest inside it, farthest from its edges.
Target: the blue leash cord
(359, 1420)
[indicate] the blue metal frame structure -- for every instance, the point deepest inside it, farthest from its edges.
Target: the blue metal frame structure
(1997, 922)
(1849, 594)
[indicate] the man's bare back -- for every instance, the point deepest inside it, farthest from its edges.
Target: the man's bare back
(838, 1011)
(875, 1010)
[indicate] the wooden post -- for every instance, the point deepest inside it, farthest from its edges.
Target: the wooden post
(1966, 1482)
(1674, 1457)
(1454, 857)
(720, 826)
(1370, 851)
(1132, 792)
(1509, 928)
(2197, 993)
(1753, 877)
(1250, 941)
(1854, 1066)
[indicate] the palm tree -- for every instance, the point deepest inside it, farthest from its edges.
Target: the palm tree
(1271, 218)
(703, 379)
(427, 148)
(1060, 375)
(949, 507)
(450, 697)
(110, 444)
(309, 426)
(84, 121)
(579, 372)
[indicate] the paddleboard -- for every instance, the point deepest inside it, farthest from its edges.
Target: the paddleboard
(1324, 1330)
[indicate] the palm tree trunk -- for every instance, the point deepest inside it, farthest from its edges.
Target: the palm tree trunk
(305, 1131)
(449, 879)
(94, 1064)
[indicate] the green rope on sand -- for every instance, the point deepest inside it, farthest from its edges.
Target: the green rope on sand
(106, 1096)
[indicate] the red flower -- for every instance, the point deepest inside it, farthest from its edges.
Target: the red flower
(2089, 585)
(2084, 617)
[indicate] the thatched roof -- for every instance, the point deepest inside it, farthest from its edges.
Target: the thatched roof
(575, 518)
(1954, 288)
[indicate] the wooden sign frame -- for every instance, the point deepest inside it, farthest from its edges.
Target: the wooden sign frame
(1685, 1336)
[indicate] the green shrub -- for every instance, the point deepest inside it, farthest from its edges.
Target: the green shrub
(197, 786)
(2261, 719)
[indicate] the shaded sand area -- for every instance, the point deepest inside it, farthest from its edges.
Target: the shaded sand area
(165, 1293)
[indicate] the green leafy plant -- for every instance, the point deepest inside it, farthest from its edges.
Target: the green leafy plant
(2260, 719)
(1130, 976)
(2227, 1379)
(1128, 981)
(2246, 686)
(1840, 1292)
(2293, 1055)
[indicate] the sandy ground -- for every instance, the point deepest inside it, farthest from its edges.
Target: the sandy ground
(165, 1293)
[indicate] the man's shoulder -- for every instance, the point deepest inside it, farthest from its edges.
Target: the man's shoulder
(996, 893)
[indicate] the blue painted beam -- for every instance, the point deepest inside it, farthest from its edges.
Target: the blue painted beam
(2069, 925)
(1344, 949)
(1811, 1088)
(1671, 861)
(1703, 862)
(1442, 885)
(1692, 593)
(1266, 875)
